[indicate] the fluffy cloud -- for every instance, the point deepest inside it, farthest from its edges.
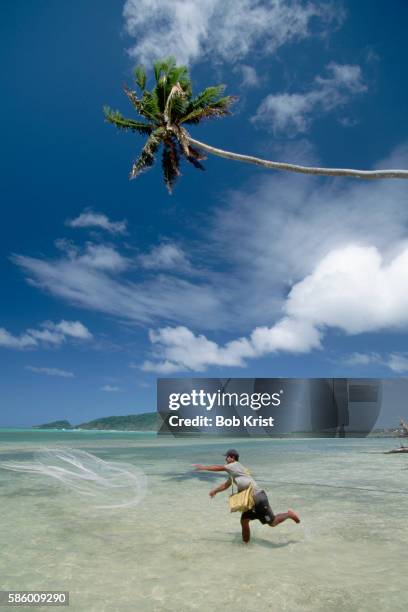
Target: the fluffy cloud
(93, 219)
(397, 362)
(74, 329)
(362, 359)
(222, 29)
(98, 256)
(51, 372)
(292, 113)
(249, 76)
(355, 290)
(351, 289)
(166, 256)
(49, 334)
(17, 342)
(179, 348)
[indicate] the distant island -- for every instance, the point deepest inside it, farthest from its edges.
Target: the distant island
(147, 421)
(55, 425)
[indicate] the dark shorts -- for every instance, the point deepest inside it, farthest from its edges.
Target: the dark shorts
(261, 511)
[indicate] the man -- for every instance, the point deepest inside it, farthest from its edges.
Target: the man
(242, 479)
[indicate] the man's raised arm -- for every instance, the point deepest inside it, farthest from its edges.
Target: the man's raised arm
(209, 468)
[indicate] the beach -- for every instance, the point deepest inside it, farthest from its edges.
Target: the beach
(179, 550)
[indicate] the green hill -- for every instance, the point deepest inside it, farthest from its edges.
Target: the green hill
(55, 425)
(147, 421)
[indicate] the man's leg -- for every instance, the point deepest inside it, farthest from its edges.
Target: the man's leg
(283, 516)
(246, 532)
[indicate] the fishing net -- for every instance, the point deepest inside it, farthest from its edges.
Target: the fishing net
(107, 484)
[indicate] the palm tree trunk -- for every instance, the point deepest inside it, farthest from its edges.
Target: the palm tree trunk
(249, 159)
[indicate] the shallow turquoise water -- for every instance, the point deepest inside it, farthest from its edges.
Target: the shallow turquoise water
(179, 550)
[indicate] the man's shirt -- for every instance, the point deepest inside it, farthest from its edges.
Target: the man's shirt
(241, 476)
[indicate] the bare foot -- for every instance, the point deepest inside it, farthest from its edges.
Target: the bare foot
(292, 514)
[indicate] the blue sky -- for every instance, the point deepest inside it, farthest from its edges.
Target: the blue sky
(107, 284)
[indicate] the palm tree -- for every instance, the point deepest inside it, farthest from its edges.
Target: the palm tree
(170, 105)
(165, 109)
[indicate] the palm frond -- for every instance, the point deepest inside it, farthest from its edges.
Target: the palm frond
(146, 106)
(196, 153)
(132, 97)
(221, 108)
(179, 74)
(207, 96)
(122, 123)
(195, 156)
(187, 86)
(140, 77)
(150, 106)
(208, 104)
(170, 164)
(160, 93)
(163, 66)
(196, 163)
(178, 107)
(182, 139)
(146, 157)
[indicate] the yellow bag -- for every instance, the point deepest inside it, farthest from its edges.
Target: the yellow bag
(242, 501)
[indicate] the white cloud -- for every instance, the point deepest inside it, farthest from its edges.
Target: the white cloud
(166, 256)
(220, 29)
(46, 336)
(51, 371)
(285, 112)
(181, 346)
(179, 349)
(98, 256)
(89, 218)
(289, 334)
(110, 389)
(362, 359)
(342, 75)
(104, 257)
(49, 334)
(355, 290)
(398, 363)
(351, 289)
(75, 329)
(92, 280)
(249, 76)
(17, 342)
(292, 114)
